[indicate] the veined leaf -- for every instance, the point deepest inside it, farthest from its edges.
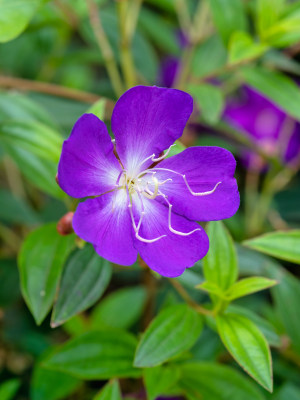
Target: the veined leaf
(249, 285)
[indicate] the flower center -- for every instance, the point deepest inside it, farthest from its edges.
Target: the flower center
(145, 184)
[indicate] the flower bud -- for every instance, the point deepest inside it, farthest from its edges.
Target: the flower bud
(64, 225)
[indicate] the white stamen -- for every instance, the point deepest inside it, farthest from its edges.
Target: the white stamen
(169, 219)
(164, 155)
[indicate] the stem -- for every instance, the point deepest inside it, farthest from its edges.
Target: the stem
(126, 56)
(105, 48)
(187, 298)
(53, 90)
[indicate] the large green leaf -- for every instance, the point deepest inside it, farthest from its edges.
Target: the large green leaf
(84, 280)
(15, 15)
(268, 12)
(228, 17)
(220, 264)
(41, 259)
(51, 385)
(96, 355)
(248, 347)
(127, 304)
(210, 101)
(242, 47)
(9, 389)
(203, 380)
(276, 86)
(172, 332)
(287, 296)
(111, 391)
(159, 380)
(284, 245)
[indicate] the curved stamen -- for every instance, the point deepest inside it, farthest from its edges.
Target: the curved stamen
(169, 219)
(164, 155)
(119, 176)
(186, 182)
(154, 194)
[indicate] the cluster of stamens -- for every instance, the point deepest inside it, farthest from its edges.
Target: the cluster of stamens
(139, 185)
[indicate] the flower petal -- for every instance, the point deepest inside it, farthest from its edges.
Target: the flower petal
(146, 121)
(170, 255)
(87, 165)
(105, 222)
(203, 167)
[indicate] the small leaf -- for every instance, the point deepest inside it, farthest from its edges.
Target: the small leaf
(98, 109)
(275, 86)
(96, 355)
(268, 12)
(211, 287)
(284, 245)
(228, 18)
(51, 385)
(242, 47)
(111, 391)
(210, 101)
(172, 332)
(15, 15)
(249, 285)
(211, 381)
(41, 259)
(84, 280)
(159, 379)
(9, 389)
(266, 328)
(247, 346)
(120, 309)
(220, 264)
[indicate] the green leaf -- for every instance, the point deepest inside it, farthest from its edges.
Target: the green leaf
(276, 86)
(220, 264)
(172, 332)
(210, 56)
(96, 355)
(247, 346)
(211, 287)
(15, 210)
(15, 15)
(159, 379)
(9, 389)
(203, 380)
(98, 109)
(36, 149)
(263, 325)
(111, 391)
(284, 245)
(210, 101)
(228, 18)
(242, 47)
(288, 391)
(287, 296)
(249, 285)
(126, 303)
(52, 385)
(9, 282)
(85, 277)
(268, 12)
(41, 259)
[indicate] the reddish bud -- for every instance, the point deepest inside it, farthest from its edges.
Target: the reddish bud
(56, 179)
(64, 225)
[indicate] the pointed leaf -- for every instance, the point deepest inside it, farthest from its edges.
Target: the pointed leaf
(159, 379)
(249, 285)
(41, 259)
(248, 347)
(242, 47)
(173, 331)
(96, 355)
(220, 264)
(210, 101)
(208, 381)
(111, 391)
(120, 309)
(84, 280)
(9, 389)
(284, 245)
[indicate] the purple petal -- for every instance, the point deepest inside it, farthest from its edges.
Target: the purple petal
(87, 165)
(105, 222)
(203, 167)
(147, 120)
(170, 255)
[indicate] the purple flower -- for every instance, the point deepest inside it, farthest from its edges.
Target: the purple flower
(268, 126)
(145, 203)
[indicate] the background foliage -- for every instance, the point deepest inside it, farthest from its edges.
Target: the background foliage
(73, 326)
